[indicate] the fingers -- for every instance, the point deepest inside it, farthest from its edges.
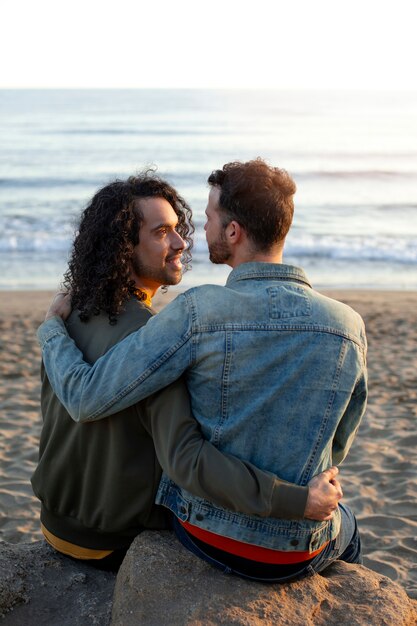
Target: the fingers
(332, 472)
(325, 492)
(338, 487)
(60, 305)
(61, 295)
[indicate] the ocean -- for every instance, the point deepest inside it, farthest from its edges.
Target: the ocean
(353, 156)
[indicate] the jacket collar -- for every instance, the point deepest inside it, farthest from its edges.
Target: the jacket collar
(276, 271)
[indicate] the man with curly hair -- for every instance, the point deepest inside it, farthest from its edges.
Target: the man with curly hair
(97, 480)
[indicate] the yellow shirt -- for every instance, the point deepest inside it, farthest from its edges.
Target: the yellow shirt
(70, 549)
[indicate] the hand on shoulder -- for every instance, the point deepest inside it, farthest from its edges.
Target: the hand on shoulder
(60, 306)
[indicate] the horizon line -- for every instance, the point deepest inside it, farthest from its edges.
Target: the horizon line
(211, 88)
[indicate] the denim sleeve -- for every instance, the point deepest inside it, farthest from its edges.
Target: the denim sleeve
(199, 467)
(349, 424)
(146, 361)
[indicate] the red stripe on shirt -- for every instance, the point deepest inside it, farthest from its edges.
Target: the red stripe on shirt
(248, 550)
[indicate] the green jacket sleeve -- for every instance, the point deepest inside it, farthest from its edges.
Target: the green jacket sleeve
(198, 466)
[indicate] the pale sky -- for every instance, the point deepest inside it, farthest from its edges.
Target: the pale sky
(362, 44)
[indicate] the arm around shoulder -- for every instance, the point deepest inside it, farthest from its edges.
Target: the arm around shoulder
(134, 368)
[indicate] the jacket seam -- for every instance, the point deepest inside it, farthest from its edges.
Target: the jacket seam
(324, 422)
(207, 328)
(45, 337)
(224, 388)
(269, 276)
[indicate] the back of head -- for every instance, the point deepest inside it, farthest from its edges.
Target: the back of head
(259, 197)
(99, 270)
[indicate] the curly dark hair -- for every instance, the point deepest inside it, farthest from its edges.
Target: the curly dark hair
(98, 274)
(259, 197)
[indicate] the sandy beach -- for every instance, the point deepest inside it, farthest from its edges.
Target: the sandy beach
(379, 477)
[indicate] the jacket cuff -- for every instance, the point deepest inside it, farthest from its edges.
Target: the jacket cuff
(288, 500)
(53, 326)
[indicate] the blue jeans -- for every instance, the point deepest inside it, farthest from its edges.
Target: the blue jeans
(346, 547)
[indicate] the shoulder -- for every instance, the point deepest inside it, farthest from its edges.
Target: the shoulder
(97, 335)
(205, 293)
(340, 315)
(205, 299)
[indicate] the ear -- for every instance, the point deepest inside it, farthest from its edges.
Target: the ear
(234, 232)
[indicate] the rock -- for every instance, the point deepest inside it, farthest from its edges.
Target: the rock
(160, 583)
(39, 586)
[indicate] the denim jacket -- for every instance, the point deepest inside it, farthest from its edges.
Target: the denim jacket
(276, 374)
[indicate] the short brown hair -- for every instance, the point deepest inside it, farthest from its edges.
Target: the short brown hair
(259, 197)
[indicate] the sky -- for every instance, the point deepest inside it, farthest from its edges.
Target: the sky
(296, 44)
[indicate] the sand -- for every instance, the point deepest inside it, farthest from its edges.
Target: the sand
(379, 477)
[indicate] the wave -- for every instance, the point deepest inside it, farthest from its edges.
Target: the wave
(349, 251)
(35, 244)
(157, 132)
(181, 177)
(48, 182)
(36, 234)
(196, 176)
(355, 174)
(39, 232)
(398, 250)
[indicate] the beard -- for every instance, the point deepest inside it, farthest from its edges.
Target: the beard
(162, 275)
(219, 251)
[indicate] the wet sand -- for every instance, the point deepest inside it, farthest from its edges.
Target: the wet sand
(379, 477)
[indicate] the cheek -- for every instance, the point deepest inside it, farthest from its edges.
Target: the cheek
(152, 253)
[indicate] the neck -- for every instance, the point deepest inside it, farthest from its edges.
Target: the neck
(148, 286)
(249, 256)
(148, 290)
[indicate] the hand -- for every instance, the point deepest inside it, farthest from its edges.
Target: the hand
(324, 493)
(60, 305)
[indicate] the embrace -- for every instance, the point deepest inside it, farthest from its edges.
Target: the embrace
(224, 416)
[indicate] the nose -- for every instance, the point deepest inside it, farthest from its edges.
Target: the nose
(177, 242)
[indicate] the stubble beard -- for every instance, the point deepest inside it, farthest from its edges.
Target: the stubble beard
(162, 275)
(219, 252)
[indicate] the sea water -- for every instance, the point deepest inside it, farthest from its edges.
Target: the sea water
(353, 156)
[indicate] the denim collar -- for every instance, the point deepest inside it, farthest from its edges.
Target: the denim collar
(276, 271)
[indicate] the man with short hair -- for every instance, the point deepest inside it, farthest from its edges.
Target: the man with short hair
(275, 370)
(97, 481)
